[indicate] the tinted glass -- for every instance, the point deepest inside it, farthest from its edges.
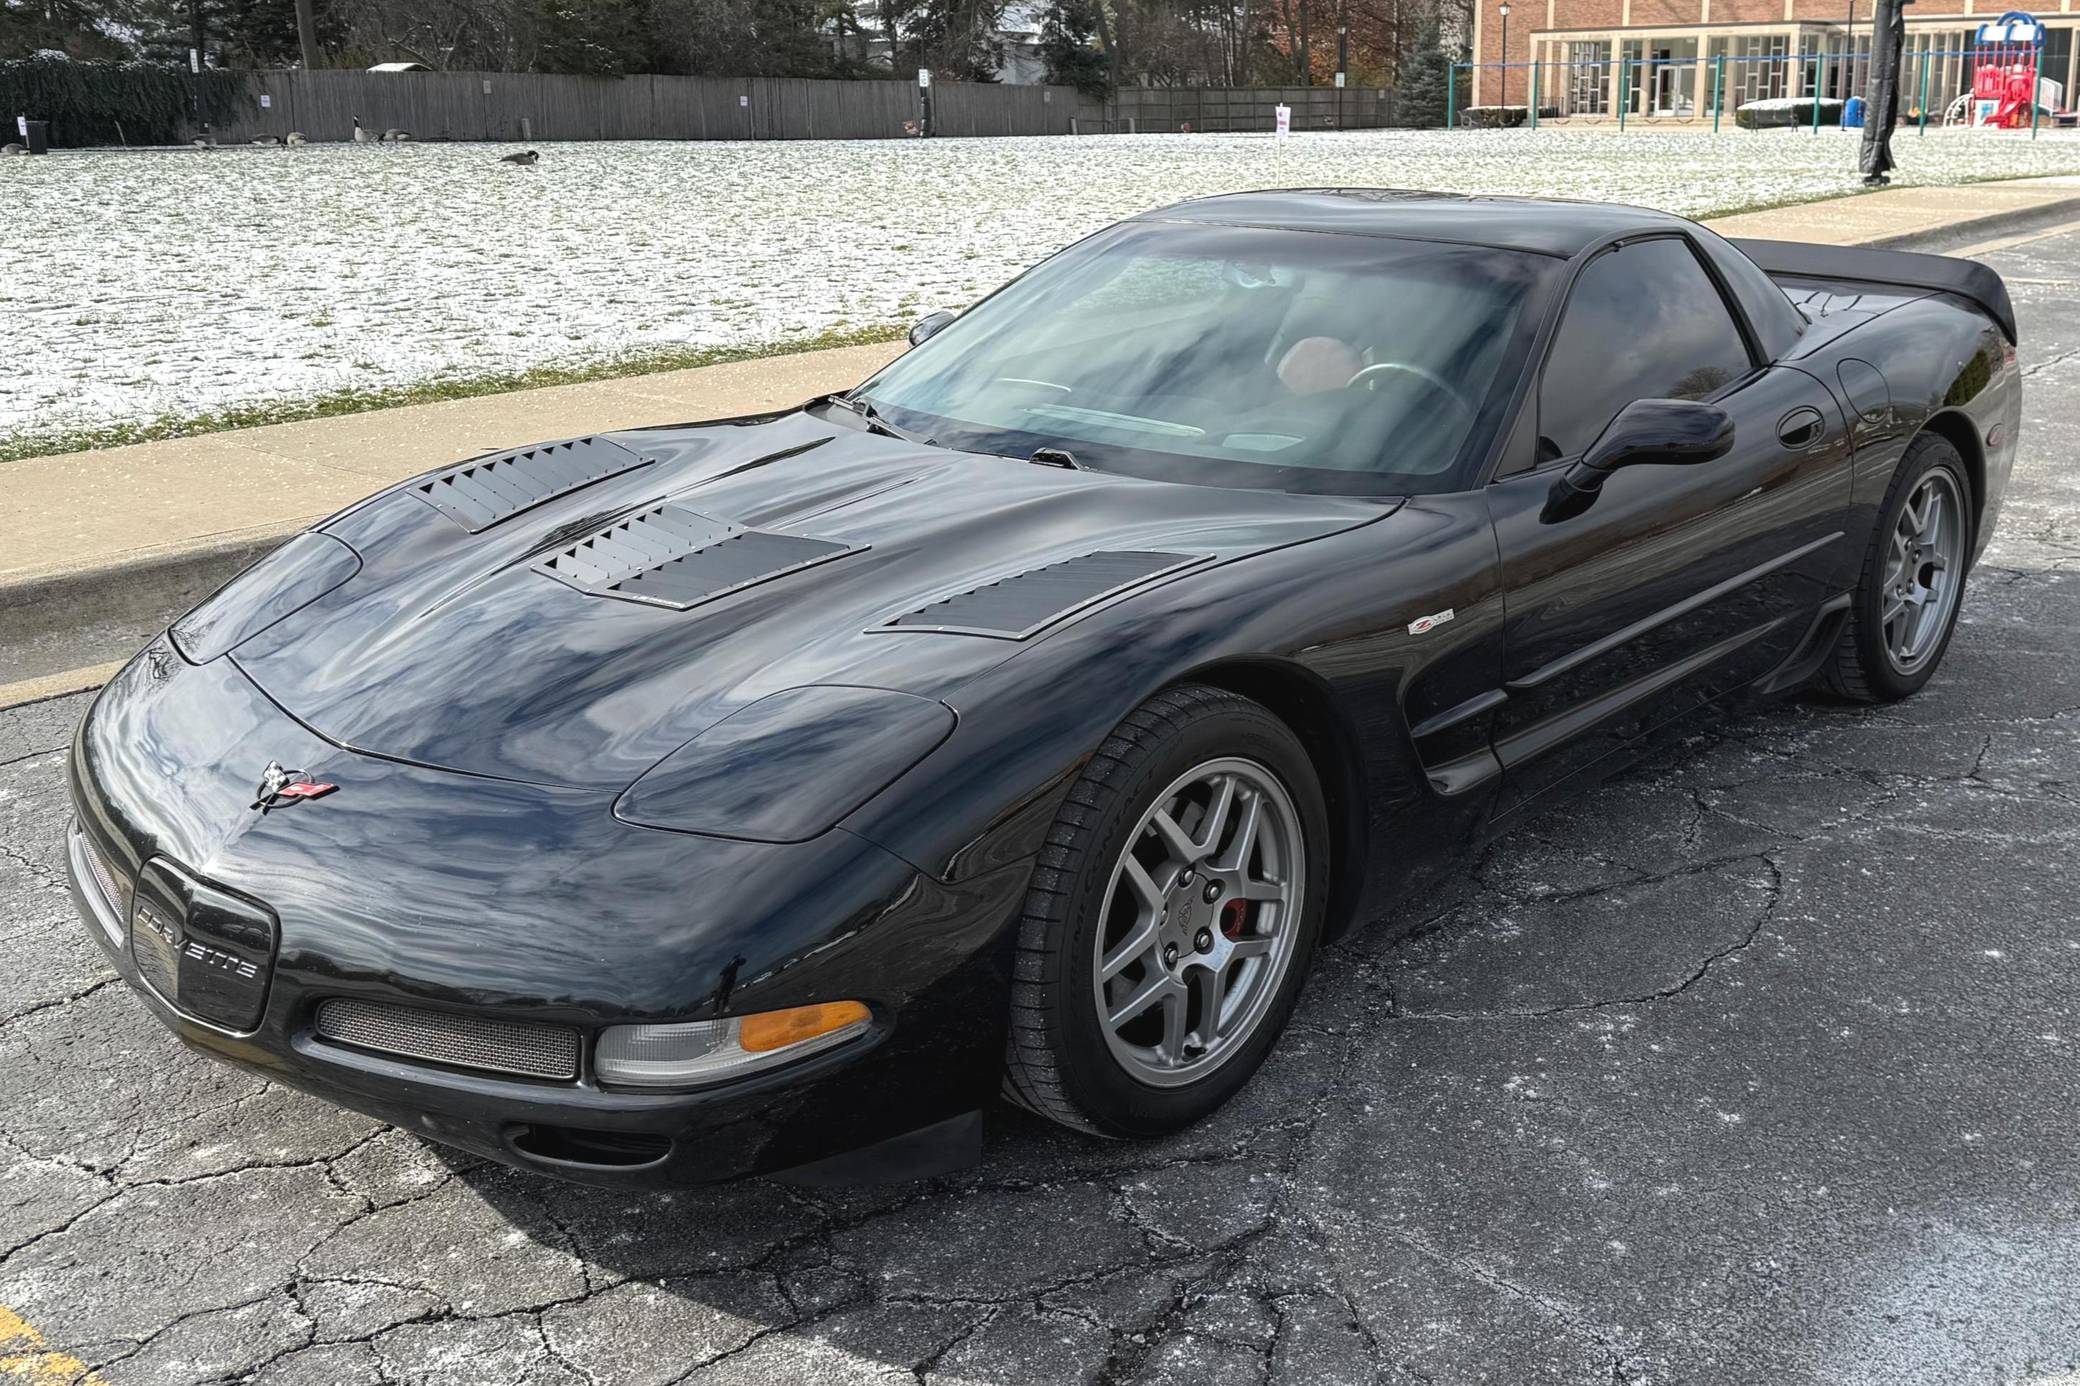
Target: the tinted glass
(1643, 322)
(1232, 356)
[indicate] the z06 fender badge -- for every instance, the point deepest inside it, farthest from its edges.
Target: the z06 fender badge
(1431, 622)
(279, 786)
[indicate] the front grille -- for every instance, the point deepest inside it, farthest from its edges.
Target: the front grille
(107, 878)
(521, 1048)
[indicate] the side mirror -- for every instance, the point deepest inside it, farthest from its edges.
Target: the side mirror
(1665, 432)
(929, 326)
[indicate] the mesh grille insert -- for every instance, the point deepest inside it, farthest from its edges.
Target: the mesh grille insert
(112, 884)
(497, 1046)
(477, 495)
(672, 556)
(1015, 607)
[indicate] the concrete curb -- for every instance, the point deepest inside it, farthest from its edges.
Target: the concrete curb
(121, 603)
(128, 602)
(1972, 230)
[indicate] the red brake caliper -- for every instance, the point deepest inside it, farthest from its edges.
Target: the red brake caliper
(1234, 918)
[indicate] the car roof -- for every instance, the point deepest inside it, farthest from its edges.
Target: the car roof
(1545, 226)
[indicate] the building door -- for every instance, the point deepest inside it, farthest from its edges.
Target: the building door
(1675, 77)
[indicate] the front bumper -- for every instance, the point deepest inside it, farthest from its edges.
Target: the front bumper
(560, 917)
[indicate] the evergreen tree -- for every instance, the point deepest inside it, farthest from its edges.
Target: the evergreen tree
(603, 37)
(958, 38)
(1066, 45)
(1425, 80)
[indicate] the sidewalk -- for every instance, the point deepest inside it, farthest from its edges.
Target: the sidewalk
(103, 547)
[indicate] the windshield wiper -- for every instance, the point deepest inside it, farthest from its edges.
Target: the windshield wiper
(1056, 457)
(867, 411)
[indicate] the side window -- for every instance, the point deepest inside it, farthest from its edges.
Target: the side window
(1644, 322)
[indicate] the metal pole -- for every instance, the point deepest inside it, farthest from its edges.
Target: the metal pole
(1924, 91)
(1623, 64)
(1534, 93)
(1816, 92)
(1718, 89)
(1849, 52)
(1451, 97)
(2036, 78)
(1343, 60)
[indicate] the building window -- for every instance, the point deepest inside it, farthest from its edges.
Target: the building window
(1588, 78)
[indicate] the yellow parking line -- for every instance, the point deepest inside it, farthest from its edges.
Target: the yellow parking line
(24, 1358)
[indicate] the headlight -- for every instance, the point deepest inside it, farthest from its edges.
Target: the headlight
(788, 767)
(691, 1053)
(286, 581)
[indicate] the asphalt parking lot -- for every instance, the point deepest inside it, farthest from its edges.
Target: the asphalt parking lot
(1762, 1064)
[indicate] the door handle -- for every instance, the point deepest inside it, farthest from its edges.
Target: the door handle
(1801, 428)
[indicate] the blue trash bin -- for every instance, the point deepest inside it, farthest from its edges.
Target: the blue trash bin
(1852, 113)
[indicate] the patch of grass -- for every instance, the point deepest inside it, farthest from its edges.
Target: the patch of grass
(49, 442)
(1778, 203)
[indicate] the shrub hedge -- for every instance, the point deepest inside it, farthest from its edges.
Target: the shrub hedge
(117, 103)
(1783, 112)
(1501, 117)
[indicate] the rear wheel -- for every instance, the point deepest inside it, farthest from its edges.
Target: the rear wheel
(1912, 582)
(1171, 919)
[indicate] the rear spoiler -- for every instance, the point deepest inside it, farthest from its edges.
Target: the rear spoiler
(1968, 279)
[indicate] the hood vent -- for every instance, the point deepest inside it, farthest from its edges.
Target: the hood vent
(1016, 607)
(675, 557)
(479, 494)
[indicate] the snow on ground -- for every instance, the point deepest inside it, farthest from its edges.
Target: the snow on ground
(176, 282)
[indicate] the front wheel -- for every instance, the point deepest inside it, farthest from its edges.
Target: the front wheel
(1912, 583)
(1171, 918)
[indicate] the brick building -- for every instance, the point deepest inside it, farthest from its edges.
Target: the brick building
(1772, 48)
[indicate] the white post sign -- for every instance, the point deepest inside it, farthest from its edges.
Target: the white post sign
(21, 123)
(266, 101)
(194, 61)
(1285, 121)
(924, 76)
(1339, 79)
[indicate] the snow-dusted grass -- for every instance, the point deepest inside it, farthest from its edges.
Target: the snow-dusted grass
(174, 284)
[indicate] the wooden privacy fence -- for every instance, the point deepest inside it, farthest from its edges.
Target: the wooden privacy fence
(542, 106)
(1161, 110)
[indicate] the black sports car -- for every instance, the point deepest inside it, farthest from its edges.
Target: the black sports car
(769, 794)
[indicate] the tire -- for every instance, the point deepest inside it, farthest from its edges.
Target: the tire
(1881, 661)
(1183, 929)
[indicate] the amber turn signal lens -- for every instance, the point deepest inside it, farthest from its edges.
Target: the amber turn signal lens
(769, 1030)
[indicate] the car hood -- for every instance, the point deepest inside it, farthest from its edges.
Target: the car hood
(499, 643)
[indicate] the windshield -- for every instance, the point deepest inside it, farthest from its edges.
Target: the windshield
(1290, 360)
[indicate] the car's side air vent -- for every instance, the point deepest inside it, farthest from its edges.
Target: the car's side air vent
(671, 556)
(1023, 604)
(479, 494)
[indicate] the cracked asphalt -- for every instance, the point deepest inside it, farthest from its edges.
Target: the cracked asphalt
(1761, 1064)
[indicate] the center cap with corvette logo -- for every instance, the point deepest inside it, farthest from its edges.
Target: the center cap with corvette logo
(279, 786)
(205, 951)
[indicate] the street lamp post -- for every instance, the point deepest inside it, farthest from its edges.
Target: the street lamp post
(1343, 64)
(1504, 11)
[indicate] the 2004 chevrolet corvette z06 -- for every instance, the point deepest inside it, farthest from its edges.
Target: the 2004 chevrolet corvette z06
(769, 794)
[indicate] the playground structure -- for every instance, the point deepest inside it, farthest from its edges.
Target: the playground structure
(2005, 82)
(1982, 78)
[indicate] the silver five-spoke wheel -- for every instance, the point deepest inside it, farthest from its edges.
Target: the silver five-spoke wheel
(1200, 921)
(1923, 571)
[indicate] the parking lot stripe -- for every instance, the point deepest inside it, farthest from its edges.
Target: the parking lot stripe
(24, 1358)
